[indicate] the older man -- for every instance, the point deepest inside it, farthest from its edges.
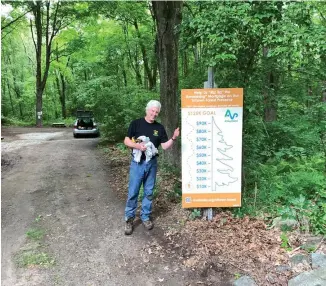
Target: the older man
(144, 171)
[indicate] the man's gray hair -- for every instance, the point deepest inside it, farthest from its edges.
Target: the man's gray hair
(153, 103)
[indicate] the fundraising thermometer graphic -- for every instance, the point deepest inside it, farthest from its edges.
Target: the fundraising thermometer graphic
(213, 156)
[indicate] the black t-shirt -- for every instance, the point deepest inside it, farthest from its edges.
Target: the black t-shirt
(155, 131)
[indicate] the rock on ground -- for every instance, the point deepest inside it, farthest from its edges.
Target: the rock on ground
(245, 281)
(318, 260)
(311, 278)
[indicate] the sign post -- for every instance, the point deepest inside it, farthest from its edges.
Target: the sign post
(211, 147)
(208, 213)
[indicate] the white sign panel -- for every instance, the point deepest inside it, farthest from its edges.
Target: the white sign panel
(211, 147)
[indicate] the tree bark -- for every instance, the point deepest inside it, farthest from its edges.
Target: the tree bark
(56, 115)
(145, 58)
(42, 24)
(38, 52)
(135, 66)
(61, 85)
(124, 77)
(4, 111)
(137, 69)
(63, 96)
(154, 63)
(168, 16)
(196, 54)
(13, 21)
(10, 98)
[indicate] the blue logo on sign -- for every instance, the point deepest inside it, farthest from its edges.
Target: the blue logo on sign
(229, 114)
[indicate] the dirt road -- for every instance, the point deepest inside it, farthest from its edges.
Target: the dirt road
(58, 184)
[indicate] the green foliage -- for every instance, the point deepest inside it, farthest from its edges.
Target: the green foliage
(38, 218)
(34, 258)
(281, 179)
(285, 242)
(237, 276)
(195, 213)
(69, 121)
(122, 147)
(35, 234)
(6, 121)
(317, 214)
(119, 108)
(274, 50)
(309, 213)
(174, 195)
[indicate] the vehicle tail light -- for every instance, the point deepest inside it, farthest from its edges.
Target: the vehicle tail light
(75, 126)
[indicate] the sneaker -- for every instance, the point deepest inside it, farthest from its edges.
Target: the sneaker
(148, 224)
(129, 226)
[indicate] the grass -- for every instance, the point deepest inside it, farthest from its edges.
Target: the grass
(33, 252)
(34, 257)
(9, 121)
(6, 121)
(35, 234)
(38, 218)
(237, 276)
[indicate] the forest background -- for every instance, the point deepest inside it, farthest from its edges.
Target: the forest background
(111, 57)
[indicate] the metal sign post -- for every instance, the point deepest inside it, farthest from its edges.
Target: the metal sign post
(208, 213)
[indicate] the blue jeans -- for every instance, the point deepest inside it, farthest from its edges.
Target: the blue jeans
(141, 173)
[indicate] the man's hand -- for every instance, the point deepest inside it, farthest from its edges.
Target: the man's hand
(141, 146)
(176, 133)
(129, 143)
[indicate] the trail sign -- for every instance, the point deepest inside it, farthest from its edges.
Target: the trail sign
(211, 147)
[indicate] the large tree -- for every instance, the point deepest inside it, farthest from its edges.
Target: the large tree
(168, 15)
(44, 26)
(48, 19)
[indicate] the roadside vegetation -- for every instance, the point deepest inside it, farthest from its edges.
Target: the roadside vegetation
(34, 252)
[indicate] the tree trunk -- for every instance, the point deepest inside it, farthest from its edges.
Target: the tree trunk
(124, 77)
(185, 64)
(269, 85)
(147, 70)
(322, 116)
(42, 25)
(10, 98)
(38, 51)
(56, 115)
(4, 111)
(18, 95)
(146, 80)
(168, 16)
(135, 66)
(137, 70)
(61, 86)
(196, 55)
(154, 63)
(63, 96)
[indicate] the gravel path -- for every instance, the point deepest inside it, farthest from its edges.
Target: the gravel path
(59, 184)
